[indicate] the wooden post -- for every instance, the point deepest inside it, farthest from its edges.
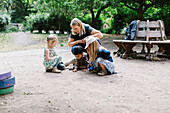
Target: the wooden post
(128, 49)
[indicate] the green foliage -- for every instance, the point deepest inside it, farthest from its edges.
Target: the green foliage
(59, 22)
(57, 14)
(159, 14)
(107, 30)
(38, 21)
(46, 21)
(141, 6)
(129, 14)
(40, 6)
(88, 20)
(4, 20)
(122, 16)
(58, 19)
(12, 29)
(95, 7)
(18, 12)
(4, 39)
(5, 5)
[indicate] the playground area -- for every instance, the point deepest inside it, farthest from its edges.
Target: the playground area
(139, 87)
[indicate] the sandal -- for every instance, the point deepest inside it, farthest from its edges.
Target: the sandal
(102, 73)
(55, 70)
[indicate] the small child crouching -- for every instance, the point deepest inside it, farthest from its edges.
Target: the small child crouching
(52, 62)
(82, 62)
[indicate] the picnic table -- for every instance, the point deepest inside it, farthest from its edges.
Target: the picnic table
(148, 33)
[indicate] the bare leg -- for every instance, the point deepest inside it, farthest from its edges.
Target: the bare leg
(102, 66)
(104, 71)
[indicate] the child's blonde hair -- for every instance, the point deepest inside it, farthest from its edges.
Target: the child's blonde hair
(77, 22)
(93, 47)
(52, 37)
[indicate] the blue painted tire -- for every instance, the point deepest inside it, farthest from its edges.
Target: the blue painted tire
(7, 82)
(5, 75)
(6, 90)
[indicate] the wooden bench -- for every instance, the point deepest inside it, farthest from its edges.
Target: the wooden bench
(149, 34)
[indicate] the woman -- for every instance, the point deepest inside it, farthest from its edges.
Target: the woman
(100, 57)
(80, 32)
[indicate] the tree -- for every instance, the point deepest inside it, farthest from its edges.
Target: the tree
(160, 14)
(121, 16)
(4, 20)
(94, 6)
(142, 5)
(18, 14)
(6, 5)
(60, 13)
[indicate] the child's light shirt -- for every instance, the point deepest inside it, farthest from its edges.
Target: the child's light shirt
(50, 64)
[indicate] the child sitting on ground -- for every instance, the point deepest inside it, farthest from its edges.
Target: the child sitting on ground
(81, 59)
(52, 61)
(99, 57)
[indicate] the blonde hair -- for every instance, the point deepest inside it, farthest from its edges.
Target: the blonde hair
(52, 37)
(77, 22)
(93, 47)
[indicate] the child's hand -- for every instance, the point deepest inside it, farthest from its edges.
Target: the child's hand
(84, 70)
(75, 70)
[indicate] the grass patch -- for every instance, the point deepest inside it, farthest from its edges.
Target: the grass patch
(5, 37)
(5, 41)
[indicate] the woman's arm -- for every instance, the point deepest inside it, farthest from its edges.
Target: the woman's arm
(96, 33)
(71, 42)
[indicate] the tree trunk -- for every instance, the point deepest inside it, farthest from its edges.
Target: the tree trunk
(94, 21)
(140, 15)
(93, 18)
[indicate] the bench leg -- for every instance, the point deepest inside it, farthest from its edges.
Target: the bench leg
(143, 49)
(148, 56)
(128, 49)
(121, 50)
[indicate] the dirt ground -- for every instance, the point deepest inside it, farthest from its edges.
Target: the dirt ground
(139, 87)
